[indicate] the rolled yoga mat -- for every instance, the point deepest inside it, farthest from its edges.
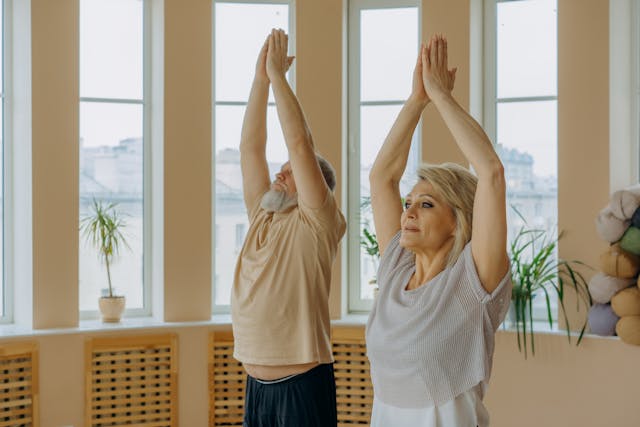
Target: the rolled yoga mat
(602, 320)
(623, 203)
(617, 262)
(602, 287)
(610, 228)
(628, 329)
(630, 240)
(626, 302)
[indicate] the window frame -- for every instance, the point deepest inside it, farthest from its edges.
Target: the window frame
(147, 247)
(356, 304)
(226, 308)
(491, 100)
(635, 82)
(6, 165)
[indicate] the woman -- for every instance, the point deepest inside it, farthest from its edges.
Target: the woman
(444, 271)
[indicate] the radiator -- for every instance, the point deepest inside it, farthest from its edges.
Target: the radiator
(131, 381)
(19, 385)
(354, 391)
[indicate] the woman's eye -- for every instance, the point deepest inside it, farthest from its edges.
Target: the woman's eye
(407, 205)
(427, 205)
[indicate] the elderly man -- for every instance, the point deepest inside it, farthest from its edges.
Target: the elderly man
(281, 287)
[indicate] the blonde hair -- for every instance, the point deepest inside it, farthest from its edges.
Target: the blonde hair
(457, 187)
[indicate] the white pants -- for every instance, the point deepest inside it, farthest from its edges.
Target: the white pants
(466, 410)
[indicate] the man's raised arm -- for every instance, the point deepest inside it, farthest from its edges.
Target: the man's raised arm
(253, 139)
(312, 189)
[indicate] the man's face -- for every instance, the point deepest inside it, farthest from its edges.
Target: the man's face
(284, 181)
(283, 193)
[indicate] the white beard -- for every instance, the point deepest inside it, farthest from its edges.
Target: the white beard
(277, 201)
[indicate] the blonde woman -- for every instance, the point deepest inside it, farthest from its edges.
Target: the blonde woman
(444, 271)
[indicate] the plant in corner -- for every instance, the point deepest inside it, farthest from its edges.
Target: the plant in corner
(368, 239)
(536, 271)
(102, 228)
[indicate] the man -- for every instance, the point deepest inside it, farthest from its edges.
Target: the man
(281, 287)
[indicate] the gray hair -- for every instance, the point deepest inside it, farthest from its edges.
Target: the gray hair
(328, 172)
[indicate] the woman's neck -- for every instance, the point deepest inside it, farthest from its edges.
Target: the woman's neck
(429, 263)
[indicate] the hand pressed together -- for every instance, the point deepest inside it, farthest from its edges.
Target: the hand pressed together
(436, 77)
(277, 62)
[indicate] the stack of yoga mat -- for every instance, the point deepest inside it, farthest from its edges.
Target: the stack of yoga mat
(615, 290)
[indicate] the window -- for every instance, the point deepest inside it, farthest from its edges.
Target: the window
(240, 30)
(379, 79)
(5, 294)
(521, 110)
(240, 235)
(114, 143)
(635, 67)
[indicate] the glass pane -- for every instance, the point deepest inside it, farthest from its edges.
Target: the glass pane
(240, 31)
(527, 145)
(111, 169)
(375, 122)
(111, 48)
(388, 53)
(4, 37)
(230, 215)
(527, 39)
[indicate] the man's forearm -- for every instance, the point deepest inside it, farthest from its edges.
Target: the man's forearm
(294, 125)
(254, 125)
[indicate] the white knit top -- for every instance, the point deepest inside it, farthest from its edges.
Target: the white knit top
(428, 345)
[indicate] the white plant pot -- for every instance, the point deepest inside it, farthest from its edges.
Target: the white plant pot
(111, 308)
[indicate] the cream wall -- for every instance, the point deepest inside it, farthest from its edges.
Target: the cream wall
(55, 148)
(592, 385)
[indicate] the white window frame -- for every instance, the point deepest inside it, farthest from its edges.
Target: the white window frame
(635, 77)
(491, 99)
(624, 93)
(220, 308)
(145, 311)
(7, 167)
(356, 304)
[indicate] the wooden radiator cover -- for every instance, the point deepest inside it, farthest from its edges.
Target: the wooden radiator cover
(354, 391)
(226, 382)
(19, 385)
(131, 381)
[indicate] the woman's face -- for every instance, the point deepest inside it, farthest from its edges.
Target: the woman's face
(428, 223)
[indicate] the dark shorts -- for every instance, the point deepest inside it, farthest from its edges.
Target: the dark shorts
(305, 400)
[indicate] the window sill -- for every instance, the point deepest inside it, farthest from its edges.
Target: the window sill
(93, 325)
(542, 327)
(10, 331)
(133, 323)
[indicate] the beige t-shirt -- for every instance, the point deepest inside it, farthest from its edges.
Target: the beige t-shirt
(280, 296)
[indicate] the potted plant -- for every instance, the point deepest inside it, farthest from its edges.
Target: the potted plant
(102, 227)
(537, 272)
(369, 241)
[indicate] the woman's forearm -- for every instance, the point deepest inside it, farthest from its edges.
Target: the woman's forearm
(391, 160)
(468, 134)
